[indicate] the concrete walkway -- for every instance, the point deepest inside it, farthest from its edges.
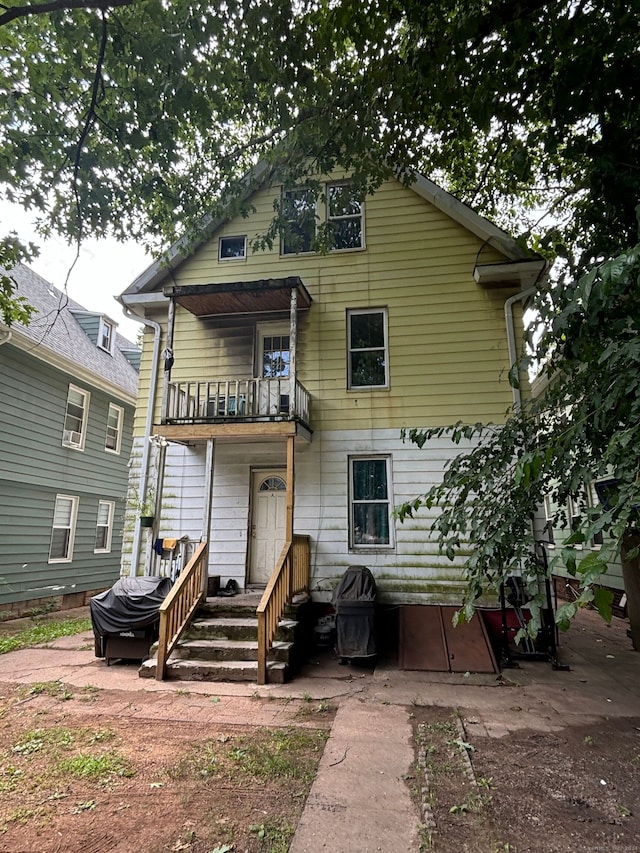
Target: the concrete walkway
(359, 801)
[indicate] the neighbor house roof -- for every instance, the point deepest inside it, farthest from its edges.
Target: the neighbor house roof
(55, 335)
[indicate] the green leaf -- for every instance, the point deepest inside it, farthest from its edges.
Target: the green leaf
(603, 600)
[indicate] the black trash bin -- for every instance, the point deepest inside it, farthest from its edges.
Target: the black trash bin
(354, 600)
(126, 617)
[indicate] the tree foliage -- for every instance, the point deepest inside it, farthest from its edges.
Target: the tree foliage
(135, 117)
(584, 426)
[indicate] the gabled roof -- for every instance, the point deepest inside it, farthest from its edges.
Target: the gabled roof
(56, 336)
(444, 201)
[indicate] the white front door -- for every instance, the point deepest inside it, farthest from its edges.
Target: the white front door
(268, 523)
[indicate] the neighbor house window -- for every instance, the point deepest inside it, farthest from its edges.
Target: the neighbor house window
(64, 527)
(299, 212)
(232, 248)
(368, 356)
(104, 527)
(344, 217)
(370, 502)
(75, 420)
(114, 428)
(105, 335)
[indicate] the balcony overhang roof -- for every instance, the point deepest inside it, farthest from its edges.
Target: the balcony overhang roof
(268, 295)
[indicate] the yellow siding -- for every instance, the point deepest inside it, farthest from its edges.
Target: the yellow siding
(447, 340)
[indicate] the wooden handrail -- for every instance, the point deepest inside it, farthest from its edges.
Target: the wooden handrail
(290, 577)
(178, 607)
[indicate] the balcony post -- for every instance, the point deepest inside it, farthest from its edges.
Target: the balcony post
(293, 334)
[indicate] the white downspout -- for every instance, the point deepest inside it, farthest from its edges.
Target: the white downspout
(511, 336)
(146, 448)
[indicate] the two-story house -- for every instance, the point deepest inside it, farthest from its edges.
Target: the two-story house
(68, 384)
(277, 382)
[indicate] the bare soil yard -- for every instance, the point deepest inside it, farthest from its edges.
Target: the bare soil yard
(74, 776)
(572, 791)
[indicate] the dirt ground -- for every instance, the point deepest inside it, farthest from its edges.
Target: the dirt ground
(529, 792)
(74, 777)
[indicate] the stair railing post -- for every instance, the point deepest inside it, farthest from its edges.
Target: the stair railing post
(262, 647)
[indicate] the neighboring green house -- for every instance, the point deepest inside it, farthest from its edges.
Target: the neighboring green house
(68, 385)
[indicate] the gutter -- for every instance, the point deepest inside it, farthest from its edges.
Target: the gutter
(146, 448)
(511, 335)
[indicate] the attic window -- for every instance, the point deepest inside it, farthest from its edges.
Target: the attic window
(105, 335)
(232, 248)
(299, 211)
(344, 217)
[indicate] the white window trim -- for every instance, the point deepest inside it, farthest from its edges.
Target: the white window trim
(593, 501)
(242, 257)
(71, 528)
(573, 511)
(371, 548)
(548, 517)
(108, 324)
(109, 525)
(283, 192)
(351, 312)
(68, 435)
(330, 219)
(120, 411)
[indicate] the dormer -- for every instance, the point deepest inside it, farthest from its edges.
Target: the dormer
(99, 328)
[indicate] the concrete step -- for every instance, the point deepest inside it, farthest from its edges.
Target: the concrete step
(225, 650)
(223, 628)
(199, 670)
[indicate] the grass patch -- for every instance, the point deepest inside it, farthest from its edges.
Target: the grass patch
(45, 632)
(264, 755)
(275, 835)
(85, 766)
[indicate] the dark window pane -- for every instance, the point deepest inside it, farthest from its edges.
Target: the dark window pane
(342, 201)
(232, 247)
(367, 330)
(300, 215)
(369, 479)
(101, 538)
(346, 234)
(367, 368)
(59, 543)
(370, 524)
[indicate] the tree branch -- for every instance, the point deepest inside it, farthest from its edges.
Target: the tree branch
(14, 12)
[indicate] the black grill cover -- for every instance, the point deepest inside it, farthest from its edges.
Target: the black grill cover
(130, 603)
(355, 600)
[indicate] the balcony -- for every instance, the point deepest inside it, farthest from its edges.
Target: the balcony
(236, 401)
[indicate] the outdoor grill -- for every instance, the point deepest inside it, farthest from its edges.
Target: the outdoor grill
(354, 600)
(126, 617)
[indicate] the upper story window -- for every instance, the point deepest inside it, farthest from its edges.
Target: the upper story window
(114, 428)
(368, 357)
(370, 502)
(299, 212)
(344, 217)
(232, 248)
(75, 420)
(106, 334)
(104, 527)
(64, 528)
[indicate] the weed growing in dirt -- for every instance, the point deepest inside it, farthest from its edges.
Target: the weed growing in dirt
(43, 632)
(308, 709)
(55, 689)
(275, 835)
(278, 753)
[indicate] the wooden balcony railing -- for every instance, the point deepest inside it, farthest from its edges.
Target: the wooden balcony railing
(242, 399)
(178, 607)
(290, 576)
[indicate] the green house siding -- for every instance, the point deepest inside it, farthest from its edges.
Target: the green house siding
(35, 467)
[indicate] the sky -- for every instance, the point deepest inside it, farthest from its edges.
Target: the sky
(103, 270)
